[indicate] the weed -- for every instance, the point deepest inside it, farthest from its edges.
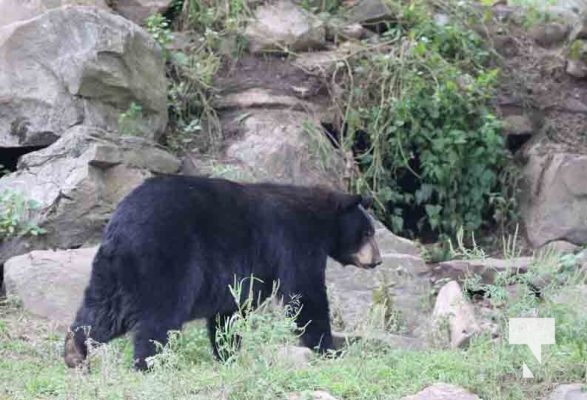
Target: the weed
(159, 29)
(435, 152)
(3, 170)
(129, 121)
(16, 215)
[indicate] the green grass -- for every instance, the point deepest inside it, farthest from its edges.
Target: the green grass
(31, 366)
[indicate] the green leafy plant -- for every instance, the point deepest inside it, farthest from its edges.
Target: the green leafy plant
(434, 152)
(189, 101)
(158, 27)
(3, 170)
(129, 120)
(15, 215)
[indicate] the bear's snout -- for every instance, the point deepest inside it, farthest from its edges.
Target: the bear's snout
(368, 256)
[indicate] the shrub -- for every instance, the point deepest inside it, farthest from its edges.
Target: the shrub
(15, 215)
(434, 154)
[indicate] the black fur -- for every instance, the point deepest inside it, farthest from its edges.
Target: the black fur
(175, 244)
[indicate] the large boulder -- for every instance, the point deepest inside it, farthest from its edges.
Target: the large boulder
(78, 65)
(20, 10)
(50, 284)
(77, 183)
(554, 205)
(402, 280)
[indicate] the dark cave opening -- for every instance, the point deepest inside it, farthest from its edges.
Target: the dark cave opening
(2, 289)
(9, 156)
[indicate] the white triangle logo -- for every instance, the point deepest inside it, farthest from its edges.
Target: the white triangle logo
(526, 373)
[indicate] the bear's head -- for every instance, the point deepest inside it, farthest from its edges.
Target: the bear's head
(355, 238)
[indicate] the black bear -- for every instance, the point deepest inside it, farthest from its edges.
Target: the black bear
(175, 244)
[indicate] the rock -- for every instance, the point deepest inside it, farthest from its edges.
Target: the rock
(574, 297)
(284, 26)
(98, 67)
(550, 34)
(442, 391)
(275, 145)
(577, 58)
(77, 182)
(560, 246)
(487, 269)
(517, 125)
(576, 68)
(401, 275)
(324, 63)
(50, 284)
(454, 311)
(138, 10)
(370, 12)
(295, 356)
(338, 30)
(353, 31)
(314, 395)
(579, 30)
(21, 10)
(271, 113)
(554, 199)
(518, 130)
(576, 391)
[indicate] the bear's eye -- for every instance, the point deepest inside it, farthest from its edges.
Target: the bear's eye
(368, 234)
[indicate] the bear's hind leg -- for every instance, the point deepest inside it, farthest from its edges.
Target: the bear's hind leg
(146, 333)
(230, 342)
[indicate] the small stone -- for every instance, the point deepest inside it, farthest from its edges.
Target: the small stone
(284, 26)
(576, 391)
(551, 34)
(579, 30)
(454, 309)
(442, 391)
(517, 125)
(295, 356)
(560, 246)
(576, 68)
(368, 12)
(315, 395)
(353, 31)
(139, 10)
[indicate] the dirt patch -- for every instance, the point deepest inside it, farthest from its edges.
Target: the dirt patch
(276, 75)
(534, 82)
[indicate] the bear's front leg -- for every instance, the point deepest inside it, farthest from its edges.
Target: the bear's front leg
(314, 319)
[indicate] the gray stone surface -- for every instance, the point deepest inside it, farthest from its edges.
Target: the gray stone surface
(50, 284)
(554, 201)
(442, 391)
(78, 181)
(77, 65)
(282, 25)
(404, 273)
(453, 309)
(576, 391)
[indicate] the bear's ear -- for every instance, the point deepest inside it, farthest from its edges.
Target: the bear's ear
(347, 201)
(367, 202)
